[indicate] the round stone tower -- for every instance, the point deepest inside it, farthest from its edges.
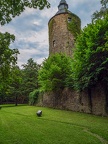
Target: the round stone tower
(63, 29)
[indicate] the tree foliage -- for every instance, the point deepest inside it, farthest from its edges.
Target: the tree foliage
(33, 97)
(11, 8)
(8, 58)
(103, 11)
(91, 55)
(16, 81)
(30, 74)
(54, 72)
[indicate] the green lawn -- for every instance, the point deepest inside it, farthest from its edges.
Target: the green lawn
(20, 125)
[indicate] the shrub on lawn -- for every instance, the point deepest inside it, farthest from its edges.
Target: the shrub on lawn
(33, 97)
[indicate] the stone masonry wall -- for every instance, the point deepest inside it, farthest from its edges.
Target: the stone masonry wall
(80, 102)
(60, 38)
(98, 100)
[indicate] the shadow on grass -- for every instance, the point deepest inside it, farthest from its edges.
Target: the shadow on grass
(12, 105)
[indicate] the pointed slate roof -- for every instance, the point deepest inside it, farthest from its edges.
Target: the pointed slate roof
(62, 7)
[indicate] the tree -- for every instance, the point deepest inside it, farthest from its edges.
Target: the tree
(54, 72)
(30, 74)
(8, 58)
(8, 10)
(11, 8)
(103, 11)
(90, 64)
(16, 81)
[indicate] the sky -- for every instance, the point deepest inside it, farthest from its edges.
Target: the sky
(31, 28)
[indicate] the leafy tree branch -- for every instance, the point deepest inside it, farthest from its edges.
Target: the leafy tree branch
(12, 8)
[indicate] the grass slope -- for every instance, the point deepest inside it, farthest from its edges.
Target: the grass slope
(20, 125)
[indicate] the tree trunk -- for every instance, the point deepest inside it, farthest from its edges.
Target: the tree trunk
(16, 101)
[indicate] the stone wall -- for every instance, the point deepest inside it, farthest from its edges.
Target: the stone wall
(75, 101)
(61, 40)
(98, 100)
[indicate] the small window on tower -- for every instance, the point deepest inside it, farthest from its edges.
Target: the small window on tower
(54, 43)
(69, 19)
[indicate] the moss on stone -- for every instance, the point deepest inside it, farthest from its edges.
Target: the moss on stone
(51, 22)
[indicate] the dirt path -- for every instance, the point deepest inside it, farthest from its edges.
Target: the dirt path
(103, 141)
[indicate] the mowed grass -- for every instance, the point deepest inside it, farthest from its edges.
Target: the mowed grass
(20, 125)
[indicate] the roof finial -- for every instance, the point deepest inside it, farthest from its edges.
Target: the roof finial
(63, 5)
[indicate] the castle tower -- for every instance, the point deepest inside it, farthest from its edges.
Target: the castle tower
(63, 28)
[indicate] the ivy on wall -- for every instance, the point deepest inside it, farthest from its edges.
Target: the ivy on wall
(74, 26)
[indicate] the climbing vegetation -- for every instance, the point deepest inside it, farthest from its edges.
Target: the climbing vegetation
(74, 25)
(90, 62)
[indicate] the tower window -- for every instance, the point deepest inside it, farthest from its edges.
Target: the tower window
(54, 43)
(69, 19)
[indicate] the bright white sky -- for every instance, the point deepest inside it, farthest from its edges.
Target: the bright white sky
(31, 28)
